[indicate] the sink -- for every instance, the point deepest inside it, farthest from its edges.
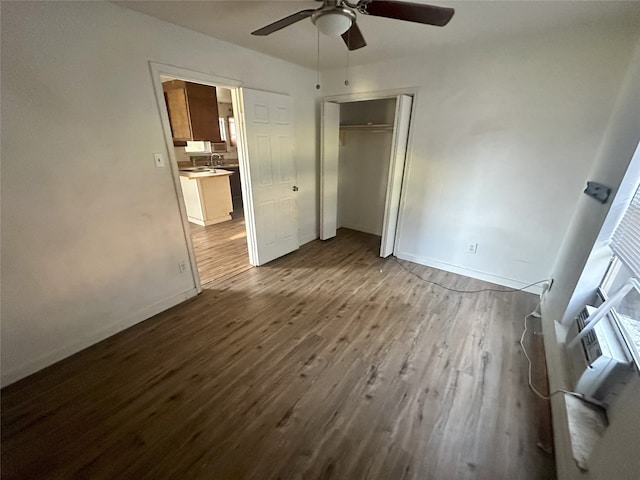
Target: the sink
(197, 169)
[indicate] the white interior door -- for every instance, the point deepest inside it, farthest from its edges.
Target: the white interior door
(396, 171)
(330, 134)
(268, 166)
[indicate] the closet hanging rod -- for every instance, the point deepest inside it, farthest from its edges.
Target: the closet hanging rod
(369, 126)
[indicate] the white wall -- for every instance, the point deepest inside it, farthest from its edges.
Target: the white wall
(91, 232)
(363, 165)
(381, 111)
(615, 455)
(613, 157)
(503, 137)
(363, 172)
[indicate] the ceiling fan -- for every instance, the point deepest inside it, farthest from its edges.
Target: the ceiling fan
(338, 17)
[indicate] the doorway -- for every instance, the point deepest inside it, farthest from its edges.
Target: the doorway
(209, 172)
(265, 128)
(364, 145)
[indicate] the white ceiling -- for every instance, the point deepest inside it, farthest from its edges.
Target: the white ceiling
(233, 21)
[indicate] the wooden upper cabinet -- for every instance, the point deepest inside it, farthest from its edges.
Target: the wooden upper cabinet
(193, 111)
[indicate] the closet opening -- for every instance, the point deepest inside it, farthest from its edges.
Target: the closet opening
(364, 146)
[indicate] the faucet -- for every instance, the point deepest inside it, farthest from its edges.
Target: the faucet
(218, 158)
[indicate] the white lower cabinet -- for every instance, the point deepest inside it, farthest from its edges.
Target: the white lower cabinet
(207, 197)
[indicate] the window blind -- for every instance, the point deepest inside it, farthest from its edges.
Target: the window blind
(625, 242)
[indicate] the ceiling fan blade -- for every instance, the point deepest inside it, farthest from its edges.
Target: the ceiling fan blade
(283, 22)
(353, 38)
(411, 12)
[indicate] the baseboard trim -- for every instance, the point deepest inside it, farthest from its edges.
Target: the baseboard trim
(468, 272)
(307, 238)
(86, 341)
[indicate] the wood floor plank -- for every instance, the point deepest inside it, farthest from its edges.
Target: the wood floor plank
(329, 363)
(220, 249)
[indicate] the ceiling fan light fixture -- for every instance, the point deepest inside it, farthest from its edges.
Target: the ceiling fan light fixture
(333, 22)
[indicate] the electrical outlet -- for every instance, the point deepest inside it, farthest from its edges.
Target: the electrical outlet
(182, 266)
(158, 158)
(472, 248)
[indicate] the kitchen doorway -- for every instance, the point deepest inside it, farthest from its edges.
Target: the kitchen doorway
(209, 173)
(197, 111)
(265, 126)
(266, 159)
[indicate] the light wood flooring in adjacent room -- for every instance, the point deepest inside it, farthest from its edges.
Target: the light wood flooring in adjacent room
(329, 363)
(220, 249)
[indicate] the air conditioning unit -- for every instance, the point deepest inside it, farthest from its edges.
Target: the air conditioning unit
(600, 362)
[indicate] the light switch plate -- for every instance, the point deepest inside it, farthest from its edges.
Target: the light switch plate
(158, 158)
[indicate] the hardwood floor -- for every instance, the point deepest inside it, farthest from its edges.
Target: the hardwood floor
(329, 363)
(221, 249)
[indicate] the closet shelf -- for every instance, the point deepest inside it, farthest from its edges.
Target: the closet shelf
(368, 126)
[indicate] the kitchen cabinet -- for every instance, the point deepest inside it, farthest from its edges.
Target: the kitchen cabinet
(193, 111)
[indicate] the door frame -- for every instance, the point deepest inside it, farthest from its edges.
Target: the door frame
(395, 176)
(381, 95)
(160, 69)
(328, 109)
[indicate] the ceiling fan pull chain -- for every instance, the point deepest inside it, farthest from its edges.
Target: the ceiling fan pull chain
(318, 63)
(346, 73)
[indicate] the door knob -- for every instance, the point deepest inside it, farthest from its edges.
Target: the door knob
(294, 188)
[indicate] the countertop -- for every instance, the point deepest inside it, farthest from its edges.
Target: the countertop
(218, 173)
